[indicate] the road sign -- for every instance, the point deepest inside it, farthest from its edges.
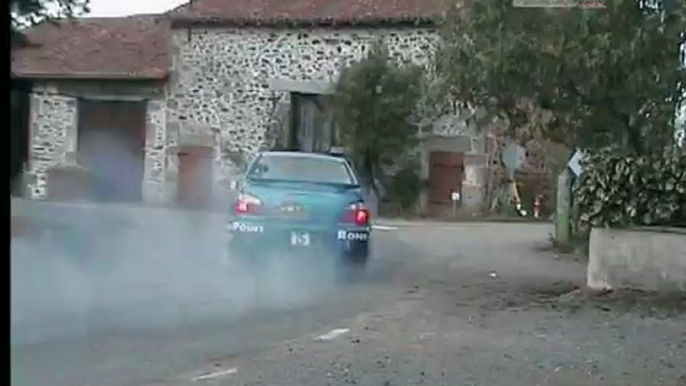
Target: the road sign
(514, 156)
(575, 163)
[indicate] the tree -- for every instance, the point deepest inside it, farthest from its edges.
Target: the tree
(26, 13)
(609, 76)
(373, 106)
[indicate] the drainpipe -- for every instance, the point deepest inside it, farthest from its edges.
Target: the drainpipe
(189, 31)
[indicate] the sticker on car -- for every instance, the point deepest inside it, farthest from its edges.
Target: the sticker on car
(352, 235)
(242, 227)
(300, 239)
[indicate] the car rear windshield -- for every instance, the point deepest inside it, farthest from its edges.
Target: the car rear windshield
(302, 169)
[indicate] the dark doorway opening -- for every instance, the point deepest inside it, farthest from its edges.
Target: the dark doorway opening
(111, 147)
(20, 102)
(311, 128)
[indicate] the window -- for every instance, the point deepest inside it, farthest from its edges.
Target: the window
(302, 169)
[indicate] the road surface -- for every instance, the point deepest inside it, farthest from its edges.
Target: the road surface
(443, 304)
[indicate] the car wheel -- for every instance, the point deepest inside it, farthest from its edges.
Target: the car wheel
(352, 268)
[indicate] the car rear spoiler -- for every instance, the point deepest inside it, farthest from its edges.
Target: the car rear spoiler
(338, 151)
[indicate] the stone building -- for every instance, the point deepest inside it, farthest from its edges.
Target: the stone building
(190, 96)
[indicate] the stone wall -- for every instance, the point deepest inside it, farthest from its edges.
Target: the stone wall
(54, 129)
(229, 90)
(644, 259)
(227, 84)
(53, 132)
(155, 187)
(451, 133)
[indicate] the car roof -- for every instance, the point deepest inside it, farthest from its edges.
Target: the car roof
(299, 154)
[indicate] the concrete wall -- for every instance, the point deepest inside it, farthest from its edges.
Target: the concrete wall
(645, 259)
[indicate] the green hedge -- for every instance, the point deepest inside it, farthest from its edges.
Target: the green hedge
(622, 191)
(405, 186)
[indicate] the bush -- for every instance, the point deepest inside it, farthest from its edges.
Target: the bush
(373, 107)
(405, 186)
(620, 191)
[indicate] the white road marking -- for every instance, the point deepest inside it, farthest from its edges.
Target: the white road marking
(215, 375)
(384, 228)
(333, 334)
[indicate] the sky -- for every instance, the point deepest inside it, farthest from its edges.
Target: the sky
(108, 8)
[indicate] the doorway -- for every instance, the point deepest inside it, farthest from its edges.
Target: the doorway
(311, 128)
(19, 133)
(445, 177)
(195, 177)
(111, 146)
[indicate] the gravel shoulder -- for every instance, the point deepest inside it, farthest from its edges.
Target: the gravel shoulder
(481, 312)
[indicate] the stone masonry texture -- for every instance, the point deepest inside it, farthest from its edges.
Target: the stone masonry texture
(220, 82)
(220, 94)
(52, 126)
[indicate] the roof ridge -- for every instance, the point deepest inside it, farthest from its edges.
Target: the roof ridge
(118, 18)
(316, 12)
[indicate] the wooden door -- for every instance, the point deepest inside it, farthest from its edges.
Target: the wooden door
(445, 177)
(111, 146)
(195, 177)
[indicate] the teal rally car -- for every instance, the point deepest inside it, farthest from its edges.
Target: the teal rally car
(295, 203)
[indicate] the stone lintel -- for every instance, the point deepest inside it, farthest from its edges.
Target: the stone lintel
(195, 139)
(459, 143)
(318, 87)
(475, 159)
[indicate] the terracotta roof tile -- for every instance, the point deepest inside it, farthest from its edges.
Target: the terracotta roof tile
(137, 47)
(313, 12)
(130, 47)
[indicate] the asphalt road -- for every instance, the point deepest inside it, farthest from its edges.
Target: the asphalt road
(443, 304)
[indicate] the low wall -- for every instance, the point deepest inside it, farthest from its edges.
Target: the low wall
(651, 259)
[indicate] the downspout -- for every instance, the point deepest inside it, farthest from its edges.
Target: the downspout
(189, 30)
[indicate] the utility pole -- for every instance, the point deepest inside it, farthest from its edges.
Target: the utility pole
(564, 205)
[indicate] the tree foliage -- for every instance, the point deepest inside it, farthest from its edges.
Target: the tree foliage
(609, 76)
(373, 106)
(405, 185)
(620, 191)
(25, 13)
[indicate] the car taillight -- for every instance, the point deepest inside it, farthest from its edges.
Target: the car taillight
(247, 204)
(357, 214)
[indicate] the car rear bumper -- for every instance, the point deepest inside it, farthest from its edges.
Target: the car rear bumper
(248, 236)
